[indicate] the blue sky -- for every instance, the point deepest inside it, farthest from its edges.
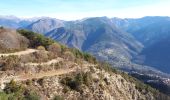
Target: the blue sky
(77, 9)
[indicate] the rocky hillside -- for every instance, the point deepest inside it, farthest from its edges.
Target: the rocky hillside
(10, 39)
(94, 83)
(52, 71)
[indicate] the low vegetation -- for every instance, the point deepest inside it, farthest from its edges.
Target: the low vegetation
(36, 39)
(9, 63)
(81, 55)
(13, 91)
(77, 81)
(57, 97)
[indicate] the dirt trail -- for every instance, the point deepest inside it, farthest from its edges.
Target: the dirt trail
(53, 61)
(28, 51)
(44, 74)
(23, 77)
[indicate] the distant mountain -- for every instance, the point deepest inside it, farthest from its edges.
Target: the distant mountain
(100, 37)
(155, 37)
(45, 25)
(131, 25)
(154, 34)
(157, 55)
(14, 22)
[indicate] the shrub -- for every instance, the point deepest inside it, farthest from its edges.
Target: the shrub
(55, 48)
(13, 91)
(41, 48)
(80, 55)
(89, 58)
(69, 56)
(9, 63)
(41, 56)
(12, 87)
(77, 81)
(57, 97)
(28, 82)
(87, 78)
(77, 53)
(107, 67)
(32, 96)
(36, 39)
(70, 82)
(3, 96)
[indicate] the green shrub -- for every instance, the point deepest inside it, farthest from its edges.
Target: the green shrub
(77, 53)
(87, 78)
(69, 56)
(32, 96)
(13, 91)
(77, 81)
(107, 67)
(80, 55)
(3, 96)
(70, 82)
(55, 48)
(36, 39)
(89, 58)
(57, 97)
